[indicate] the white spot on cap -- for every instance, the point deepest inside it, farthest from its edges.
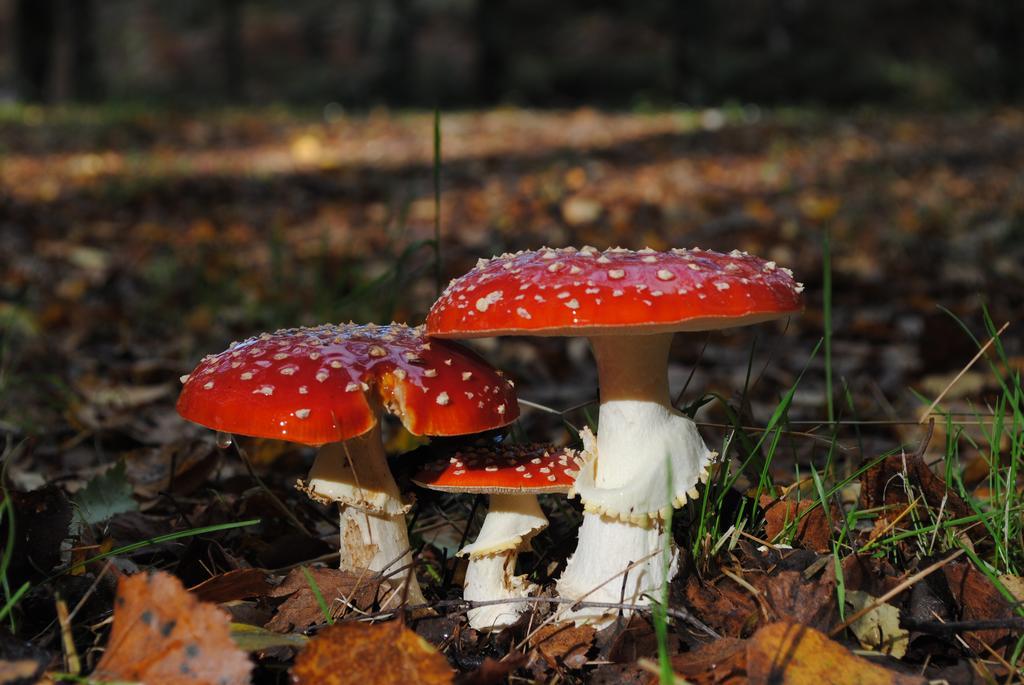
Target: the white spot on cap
(267, 390)
(665, 275)
(351, 387)
(322, 375)
(650, 259)
(301, 413)
(208, 385)
(246, 375)
(442, 398)
(487, 300)
(555, 266)
(336, 364)
(769, 266)
(288, 370)
(466, 375)
(573, 304)
(303, 390)
(376, 351)
(501, 409)
(280, 355)
(721, 285)
(616, 274)
(616, 293)
(430, 373)
(523, 313)
(694, 267)
(400, 374)
(183, 379)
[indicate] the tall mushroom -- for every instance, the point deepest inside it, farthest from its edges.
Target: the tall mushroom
(647, 457)
(328, 386)
(513, 476)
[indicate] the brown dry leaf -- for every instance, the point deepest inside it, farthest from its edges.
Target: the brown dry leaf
(794, 598)
(978, 599)
(233, 585)
(723, 605)
(163, 635)
(791, 654)
(370, 654)
(635, 640)
(886, 484)
(564, 644)
(493, 671)
(301, 608)
(722, 662)
(812, 531)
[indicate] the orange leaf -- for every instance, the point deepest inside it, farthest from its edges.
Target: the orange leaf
(370, 654)
(163, 635)
(793, 654)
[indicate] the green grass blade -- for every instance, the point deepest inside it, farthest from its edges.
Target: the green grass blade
(169, 537)
(321, 602)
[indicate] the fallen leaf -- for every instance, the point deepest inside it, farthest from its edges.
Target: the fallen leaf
(301, 609)
(979, 599)
(21, 663)
(722, 662)
(104, 496)
(791, 654)
(812, 530)
(233, 585)
(791, 597)
(564, 644)
(370, 654)
(723, 605)
(633, 641)
(256, 639)
(1014, 584)
(162, 635)
(493, 671)
(879, 629)
(886, 485)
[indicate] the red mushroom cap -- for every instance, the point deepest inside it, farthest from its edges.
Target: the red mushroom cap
(320, 385)
(588, 292)
(532, 468)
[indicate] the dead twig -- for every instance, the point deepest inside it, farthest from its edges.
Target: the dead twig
(893, 592)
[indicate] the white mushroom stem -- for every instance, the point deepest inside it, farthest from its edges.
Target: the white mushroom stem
(355, 474)
(511, 521)
(648, 458)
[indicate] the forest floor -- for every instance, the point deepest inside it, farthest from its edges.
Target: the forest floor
(134, 241)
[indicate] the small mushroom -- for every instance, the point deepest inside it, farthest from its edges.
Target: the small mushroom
(327, 386)
(513, 476)
(647, 456)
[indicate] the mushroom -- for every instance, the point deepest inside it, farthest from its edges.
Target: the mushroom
(328, 386)
(513, 476)
(647, 456)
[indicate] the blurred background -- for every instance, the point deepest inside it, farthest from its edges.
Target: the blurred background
(174, 176)
(468, 53)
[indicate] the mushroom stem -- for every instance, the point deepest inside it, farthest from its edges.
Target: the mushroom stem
(511, 521)
(648, 457)
(355, 474)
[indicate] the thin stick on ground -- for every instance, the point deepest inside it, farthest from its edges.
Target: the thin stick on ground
(893, 592)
